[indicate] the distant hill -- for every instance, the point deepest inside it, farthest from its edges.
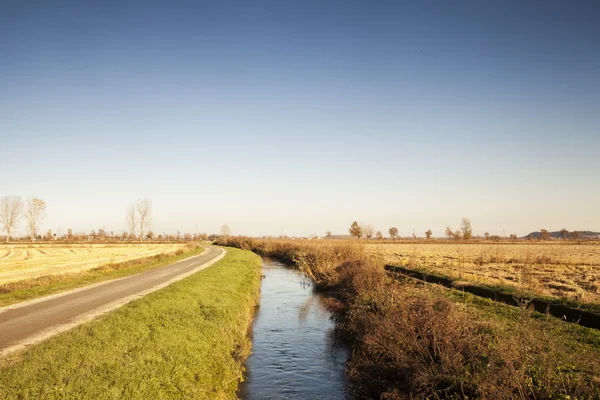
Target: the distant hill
(558, 235)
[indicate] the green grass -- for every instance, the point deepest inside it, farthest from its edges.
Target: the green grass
(16, 292)
(187, 340)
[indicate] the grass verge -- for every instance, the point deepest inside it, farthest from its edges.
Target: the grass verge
(187, 340)
(24, 290)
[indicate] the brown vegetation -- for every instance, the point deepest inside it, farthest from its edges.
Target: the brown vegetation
(557, 269)
(413, 340)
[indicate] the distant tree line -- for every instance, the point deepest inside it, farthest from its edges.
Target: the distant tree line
(14, 210)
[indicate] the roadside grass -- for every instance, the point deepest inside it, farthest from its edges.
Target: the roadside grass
(188, 340)
(19, 291)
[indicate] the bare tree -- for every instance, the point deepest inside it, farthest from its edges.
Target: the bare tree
(544, 234)
(11, 208)
(368, 230)
(564, 233)
(575, 235)
(466, 229)
(378, 235)
(355, 230)
(35, 212)
(131, 220)
(487, 236)
(449, 233)
(428, 234)
(328, 234)
(144, 213)
(225, 230)
(393, 231)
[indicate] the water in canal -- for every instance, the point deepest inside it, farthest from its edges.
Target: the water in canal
(295, 354)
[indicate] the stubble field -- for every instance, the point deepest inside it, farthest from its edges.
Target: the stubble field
(21, 262)
(569, 271)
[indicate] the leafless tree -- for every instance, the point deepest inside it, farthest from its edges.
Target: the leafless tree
(378, 235)
(328, 234)
(368, 230)
(11, 208)
(35, 212)
(449, 233)
(225, 230)
(131, 219)
(466, 229)
(144, 213)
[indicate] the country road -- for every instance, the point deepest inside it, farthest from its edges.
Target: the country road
(31, 322)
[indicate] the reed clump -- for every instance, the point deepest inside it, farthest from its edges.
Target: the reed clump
(416, 341)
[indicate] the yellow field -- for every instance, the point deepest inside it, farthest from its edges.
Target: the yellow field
(18, 262)
(552, 269)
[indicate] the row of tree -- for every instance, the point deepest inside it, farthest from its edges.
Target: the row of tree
(13, 209)
(139, 214)
(366, 230)
(138, 220)
(565, 234)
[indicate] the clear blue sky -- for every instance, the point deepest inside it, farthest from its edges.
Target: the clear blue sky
(304, 114)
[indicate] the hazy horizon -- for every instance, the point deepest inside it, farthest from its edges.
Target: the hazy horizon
(304, 115)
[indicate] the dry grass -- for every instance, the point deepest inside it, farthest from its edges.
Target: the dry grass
(422, 341)
(560, 270)
(22, 262)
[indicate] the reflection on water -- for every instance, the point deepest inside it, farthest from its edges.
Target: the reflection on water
(295, 354)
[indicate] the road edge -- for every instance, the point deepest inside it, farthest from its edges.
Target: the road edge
(82, 288)
(48, 333)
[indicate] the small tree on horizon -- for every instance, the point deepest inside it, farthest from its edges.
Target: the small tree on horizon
(131, 220)
(225, 230)
(564, 233)
(544, 235)
(393, 231)
(378, 235)
(355, 230)
(11, 208)
(368, 231)
(428, 234)
(487, 236)
(466, 229)
(328, 234)
(449, 233)
(34, 213)
(144, 212)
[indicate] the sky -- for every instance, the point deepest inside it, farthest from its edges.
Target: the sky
(304, 115)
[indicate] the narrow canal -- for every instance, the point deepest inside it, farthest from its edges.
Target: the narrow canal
(295, 354)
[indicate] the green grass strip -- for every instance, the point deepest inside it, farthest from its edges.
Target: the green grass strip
(187, 340)
(44, 286)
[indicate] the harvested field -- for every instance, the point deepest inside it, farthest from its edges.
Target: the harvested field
(567, 271)
(18, 262)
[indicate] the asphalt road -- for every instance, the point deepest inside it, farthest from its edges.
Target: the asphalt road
(31, 322)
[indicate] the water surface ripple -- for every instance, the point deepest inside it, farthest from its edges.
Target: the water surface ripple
(295, 354)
